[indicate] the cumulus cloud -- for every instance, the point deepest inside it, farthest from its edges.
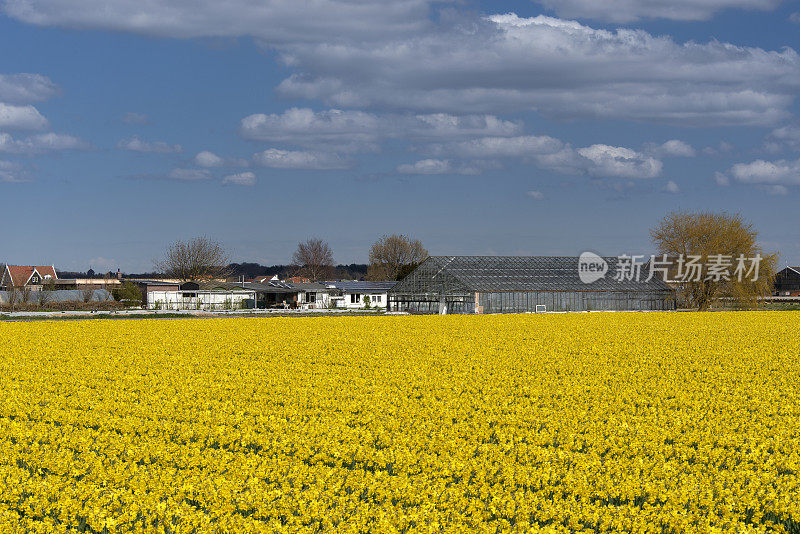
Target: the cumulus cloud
(26, 88)
(274, 21)
(602, 161)
(21, 118)
(558, 67)
(535, 195)
(9, 172)
(632, 10)
(672, 187)
(786, 137)
(298, 159)
(48, 142)
(134, 118)
(359, 131)
(781, 172)
(189, 175)
(619, 162)
(208, 159)
(243, 178)
(156, 147)
(673, 147)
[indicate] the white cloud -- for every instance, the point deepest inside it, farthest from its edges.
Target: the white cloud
(41, 143)
(438, 166)
(559, 68)
(673, 147)
(274, 21)
(492, 147)
(21, 118)
(795, 17)
(549, 153)
(9, 172)
(297, 159)
(722, 179)
(631, 10)
(26, 88)
(786, 137)
(243, 178)
(781, 172)
(359, 131)
(134, 118)
(208, 159)
(672, 187)
(535, 195)
(619, 162)
(156, 147)
(189, 175)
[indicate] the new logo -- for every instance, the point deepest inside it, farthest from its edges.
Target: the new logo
(591, 267)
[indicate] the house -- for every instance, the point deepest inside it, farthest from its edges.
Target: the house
(315, 295)
(157, 293)
(272, 294)
(356, 294)
(787, 282)
(30, 276)
(516, 284)
(195, 295)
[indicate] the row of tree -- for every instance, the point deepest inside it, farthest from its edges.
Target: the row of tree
(390, 258)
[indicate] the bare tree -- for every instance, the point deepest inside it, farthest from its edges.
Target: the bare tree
(87, 292)
(25, 294)
(714, 238)
(313, 259)
(13, 296)
(394, 256)
(197, 259)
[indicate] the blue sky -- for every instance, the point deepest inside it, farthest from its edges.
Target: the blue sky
(479, 127)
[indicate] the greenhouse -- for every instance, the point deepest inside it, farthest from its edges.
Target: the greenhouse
(517, 284)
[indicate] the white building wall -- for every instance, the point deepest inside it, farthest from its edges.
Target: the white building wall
(203, 300)
(377, 299)
(323, 300)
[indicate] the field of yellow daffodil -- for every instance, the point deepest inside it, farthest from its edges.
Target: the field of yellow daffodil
(646, 422)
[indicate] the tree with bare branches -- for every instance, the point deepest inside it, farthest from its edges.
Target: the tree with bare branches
(713, 238)
(313, 259)
(197, 259)
(393, 257)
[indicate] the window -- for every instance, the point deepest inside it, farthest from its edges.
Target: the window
(189, 295)
(354, 298)
(376, 298)
(311, 297)
(35, 279)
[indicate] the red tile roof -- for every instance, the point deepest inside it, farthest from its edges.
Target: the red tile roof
(20, 274)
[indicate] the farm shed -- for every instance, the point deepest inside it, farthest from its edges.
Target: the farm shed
(787, 282)
(515, 284)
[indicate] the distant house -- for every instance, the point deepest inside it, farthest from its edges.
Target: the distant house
(298, 280)
(31, 276)
(160, 295)
(315, 295)
(787, 282)
(354, 293)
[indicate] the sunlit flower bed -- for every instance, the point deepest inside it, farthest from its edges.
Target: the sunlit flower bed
(647, 422)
